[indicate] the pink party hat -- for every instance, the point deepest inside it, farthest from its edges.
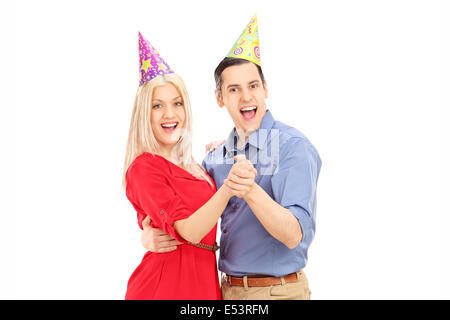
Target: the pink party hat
(150, 62)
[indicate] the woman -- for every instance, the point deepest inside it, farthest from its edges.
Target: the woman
(164, 183)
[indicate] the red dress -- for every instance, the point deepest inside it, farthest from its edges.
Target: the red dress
(160, 189)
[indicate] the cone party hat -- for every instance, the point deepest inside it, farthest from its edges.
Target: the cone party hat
(247, 46)
(150, 62)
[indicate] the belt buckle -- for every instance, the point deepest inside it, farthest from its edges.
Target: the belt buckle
(228, 280)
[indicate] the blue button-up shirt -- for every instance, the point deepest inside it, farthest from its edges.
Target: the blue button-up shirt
(288, 167)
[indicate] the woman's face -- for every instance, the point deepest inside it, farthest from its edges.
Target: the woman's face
(167, 116)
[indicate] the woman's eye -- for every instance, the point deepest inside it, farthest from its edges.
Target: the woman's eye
(157, 106)
(178, 103)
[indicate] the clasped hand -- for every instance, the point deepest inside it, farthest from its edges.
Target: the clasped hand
(241, 178)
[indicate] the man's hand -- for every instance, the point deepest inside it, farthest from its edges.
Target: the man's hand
(156, 240)
(214, 145)
(241, 178)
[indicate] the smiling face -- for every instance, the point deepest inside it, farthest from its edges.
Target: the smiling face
(243, 94)
(167, 116)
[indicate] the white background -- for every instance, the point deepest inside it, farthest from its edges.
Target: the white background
(365, 81)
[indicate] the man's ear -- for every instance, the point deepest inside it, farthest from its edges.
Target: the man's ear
(219, 98)
(266, 91)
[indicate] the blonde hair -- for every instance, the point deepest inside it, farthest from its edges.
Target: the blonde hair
(140, 135)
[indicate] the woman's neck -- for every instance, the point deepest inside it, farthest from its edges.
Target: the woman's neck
(168, 154)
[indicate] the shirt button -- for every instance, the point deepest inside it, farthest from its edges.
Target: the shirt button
(224, 230)
(234, 207)
(162, 212)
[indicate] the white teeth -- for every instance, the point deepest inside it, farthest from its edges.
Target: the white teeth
(169, 125)
(248, 108)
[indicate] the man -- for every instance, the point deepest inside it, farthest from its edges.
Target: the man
(267, 231)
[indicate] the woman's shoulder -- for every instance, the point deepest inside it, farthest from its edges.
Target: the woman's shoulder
(148, 163)
(146, 172)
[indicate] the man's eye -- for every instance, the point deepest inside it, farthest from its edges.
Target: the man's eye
(233, 90)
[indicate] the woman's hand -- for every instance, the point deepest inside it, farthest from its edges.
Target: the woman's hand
(214, 145)
(156, 240)
(241, 178)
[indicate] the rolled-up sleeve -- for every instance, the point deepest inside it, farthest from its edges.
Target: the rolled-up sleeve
(150, 193)
(295, 182)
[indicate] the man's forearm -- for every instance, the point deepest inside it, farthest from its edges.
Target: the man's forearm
(277, 220)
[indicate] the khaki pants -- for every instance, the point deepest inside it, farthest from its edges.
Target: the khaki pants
(286, 291)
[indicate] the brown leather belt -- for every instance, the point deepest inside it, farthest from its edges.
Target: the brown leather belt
(264, 281)
(213, 248)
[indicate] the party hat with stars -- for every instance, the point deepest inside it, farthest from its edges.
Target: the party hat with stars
(151, 63)
(247, 46)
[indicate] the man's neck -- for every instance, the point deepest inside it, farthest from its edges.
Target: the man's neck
(242, 137)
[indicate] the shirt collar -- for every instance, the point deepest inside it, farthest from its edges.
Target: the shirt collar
(257, 139)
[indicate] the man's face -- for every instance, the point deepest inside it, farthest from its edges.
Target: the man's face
(243, 95)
